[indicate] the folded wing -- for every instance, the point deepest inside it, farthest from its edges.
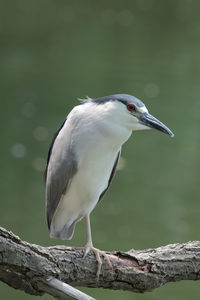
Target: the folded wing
(61, 167)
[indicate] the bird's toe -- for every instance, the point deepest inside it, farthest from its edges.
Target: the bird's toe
(98, 253)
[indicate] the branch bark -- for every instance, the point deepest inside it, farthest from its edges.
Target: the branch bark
(36, 269)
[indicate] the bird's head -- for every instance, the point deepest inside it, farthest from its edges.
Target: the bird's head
(129, 111)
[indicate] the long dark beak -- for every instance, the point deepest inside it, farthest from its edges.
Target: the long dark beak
(150, 121)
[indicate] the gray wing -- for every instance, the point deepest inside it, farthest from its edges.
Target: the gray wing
(61, 167)
(111, 175)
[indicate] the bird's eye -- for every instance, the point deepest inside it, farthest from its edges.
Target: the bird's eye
(131, 107)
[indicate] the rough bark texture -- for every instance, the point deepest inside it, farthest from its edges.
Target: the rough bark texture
(28, 267)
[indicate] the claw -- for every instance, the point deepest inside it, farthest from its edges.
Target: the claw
(97, 253)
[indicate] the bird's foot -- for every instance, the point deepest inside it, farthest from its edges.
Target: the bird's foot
(98, 253)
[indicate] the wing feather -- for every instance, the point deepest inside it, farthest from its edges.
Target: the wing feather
(50, 148)
(61, 167)
(111, 175)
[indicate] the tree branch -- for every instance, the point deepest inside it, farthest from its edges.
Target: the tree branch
(36, 269)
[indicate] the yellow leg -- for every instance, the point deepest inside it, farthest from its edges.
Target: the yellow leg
(89, 247)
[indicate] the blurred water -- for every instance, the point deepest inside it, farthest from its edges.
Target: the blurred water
(51, 53)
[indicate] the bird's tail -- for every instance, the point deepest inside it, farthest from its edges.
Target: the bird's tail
(66, 233)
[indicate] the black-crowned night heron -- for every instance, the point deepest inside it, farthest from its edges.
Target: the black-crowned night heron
(83, 157)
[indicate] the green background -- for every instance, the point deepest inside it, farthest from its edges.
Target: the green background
(53, 52)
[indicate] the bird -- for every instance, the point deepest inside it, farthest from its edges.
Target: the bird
(83, 157)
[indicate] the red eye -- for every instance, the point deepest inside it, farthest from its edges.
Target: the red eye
(131, 107)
